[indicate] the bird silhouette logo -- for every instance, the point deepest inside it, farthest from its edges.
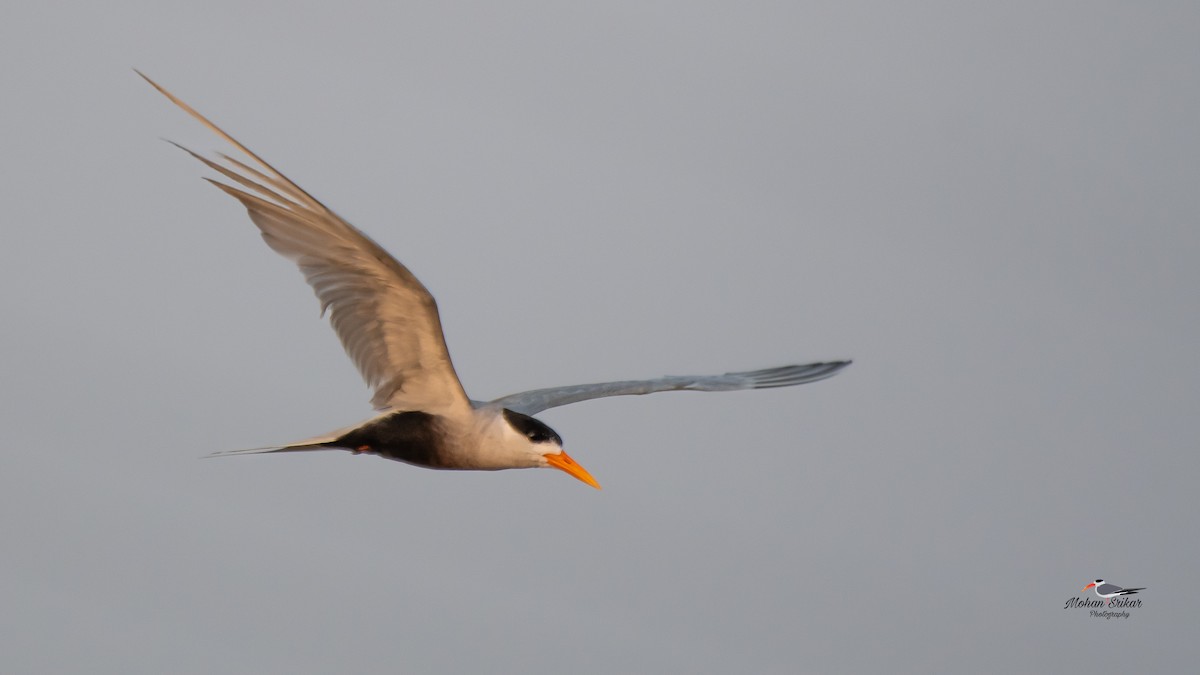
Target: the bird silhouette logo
(1109, 591)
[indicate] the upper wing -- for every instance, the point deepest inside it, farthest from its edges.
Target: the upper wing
(533, 402)
(386, 319)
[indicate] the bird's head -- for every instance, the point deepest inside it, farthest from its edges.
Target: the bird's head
(1094, 583)
(544, 446)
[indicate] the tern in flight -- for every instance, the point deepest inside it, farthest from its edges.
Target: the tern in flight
(1110, 591)
(388, 324)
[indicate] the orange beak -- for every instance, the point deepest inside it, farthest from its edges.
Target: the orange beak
(563, 462)
(1087, 587)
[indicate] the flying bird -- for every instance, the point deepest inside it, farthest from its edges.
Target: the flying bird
(1110, 591)
(388, 323)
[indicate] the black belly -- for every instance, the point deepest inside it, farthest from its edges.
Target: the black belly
(413, 437)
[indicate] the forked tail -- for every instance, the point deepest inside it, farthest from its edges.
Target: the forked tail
(307, 445)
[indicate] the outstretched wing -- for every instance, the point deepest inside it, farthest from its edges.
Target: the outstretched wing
(385, 318)
(533, 402)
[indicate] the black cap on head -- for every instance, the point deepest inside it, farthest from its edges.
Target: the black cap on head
(531, 428)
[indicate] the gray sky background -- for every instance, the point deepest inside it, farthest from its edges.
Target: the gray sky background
(991, 207)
